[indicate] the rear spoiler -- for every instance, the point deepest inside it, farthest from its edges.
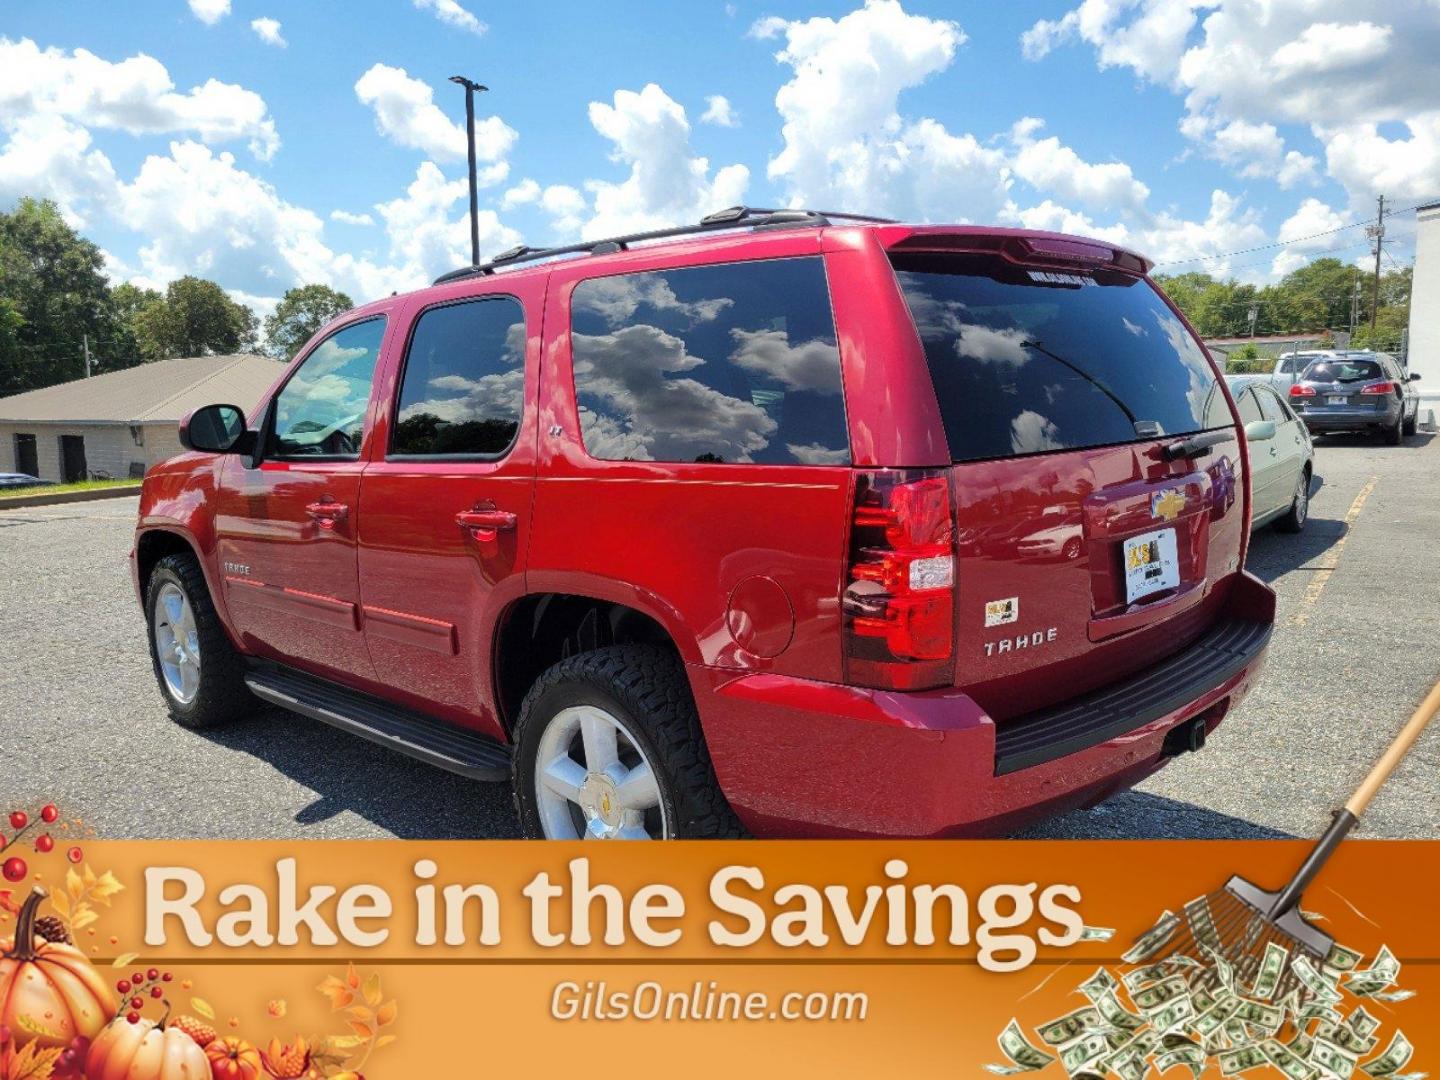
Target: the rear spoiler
(1020, 246)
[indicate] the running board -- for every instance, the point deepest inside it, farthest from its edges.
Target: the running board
(424, 738)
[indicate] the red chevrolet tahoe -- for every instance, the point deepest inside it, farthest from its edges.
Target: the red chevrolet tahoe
(784, 523)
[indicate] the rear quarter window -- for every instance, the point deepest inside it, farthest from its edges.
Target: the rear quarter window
(734, 363)
(1028, 361)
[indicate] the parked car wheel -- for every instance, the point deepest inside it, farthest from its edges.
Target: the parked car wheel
(608, 746)
(1295, 518)
(1411, 425)
(1394, 433)
(201, 677)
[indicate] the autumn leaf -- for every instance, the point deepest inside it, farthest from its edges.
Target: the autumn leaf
(203, 1007)
(73, 884)
(352, 977)
(60, 902)
(365, 1031)
(7, 902)
(88, 876)
(124, 959)
(83, 917)
(105, 888)
(33, 1063)
(339, 994)
(384, 1040)
(35, 1027)
(361, 1013)
(344, 1042)
(386, 1013)
(372, 989)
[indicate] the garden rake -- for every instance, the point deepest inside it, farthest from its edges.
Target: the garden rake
(1236, 923)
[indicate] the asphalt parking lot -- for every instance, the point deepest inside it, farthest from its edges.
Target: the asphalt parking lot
(1357, 644)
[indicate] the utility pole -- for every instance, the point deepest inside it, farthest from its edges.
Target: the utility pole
(85, 341)
(471, 89)
(1377, 233)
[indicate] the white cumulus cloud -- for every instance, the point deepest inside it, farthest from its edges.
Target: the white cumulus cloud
(720, 112)
(268, 31)
(451, 13)
(209, 11)
(406, 114)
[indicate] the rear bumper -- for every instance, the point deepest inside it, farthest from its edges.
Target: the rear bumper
(1350, 418)
(802, 758)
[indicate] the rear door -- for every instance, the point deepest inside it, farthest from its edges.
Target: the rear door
(1266, 463)
(1060, 392)
(1289, 448)
(446, 504)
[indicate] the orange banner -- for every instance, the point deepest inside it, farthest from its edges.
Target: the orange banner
(406, 959)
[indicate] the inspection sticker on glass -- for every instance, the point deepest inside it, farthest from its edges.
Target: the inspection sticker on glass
(1151, 564)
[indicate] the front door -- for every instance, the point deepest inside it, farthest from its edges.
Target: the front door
(1265, 463)
(72, 459)
(286, 530)
(445, 507)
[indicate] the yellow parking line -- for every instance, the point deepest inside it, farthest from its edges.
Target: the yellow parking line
(1322, 576)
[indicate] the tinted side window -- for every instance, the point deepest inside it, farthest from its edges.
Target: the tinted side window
(1249, 410)
(733, 363)
(1287, 367)
(464, 383)
(321, 410)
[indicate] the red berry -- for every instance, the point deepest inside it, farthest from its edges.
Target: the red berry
(15, 869)
(44, 843)
(19, 819)
(137, 1003)
(123, 986)
(49, 813)
(166, 977)
(133, 1017)
(157, 993)
(74, 854)
(152, 974)
(138, 978)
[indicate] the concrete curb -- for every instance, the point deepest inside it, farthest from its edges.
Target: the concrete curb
(14, 502)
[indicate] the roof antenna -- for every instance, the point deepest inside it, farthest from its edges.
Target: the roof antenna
(471, 88)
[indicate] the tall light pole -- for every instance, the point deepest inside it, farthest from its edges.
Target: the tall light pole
(471, 89)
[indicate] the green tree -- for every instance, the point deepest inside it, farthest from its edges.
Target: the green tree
(127, 301)
(53, 288)
(195, 317)
(301, 312)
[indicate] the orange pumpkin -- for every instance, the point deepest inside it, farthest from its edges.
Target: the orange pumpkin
(233, 1059)
(145, 1051)
(50, 985)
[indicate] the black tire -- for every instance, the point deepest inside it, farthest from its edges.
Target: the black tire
(222, 694)
(1299, 512)
(1411, 426)
(1395, 433)
(644, 687)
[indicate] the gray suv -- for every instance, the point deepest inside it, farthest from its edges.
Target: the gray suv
(1357, 391)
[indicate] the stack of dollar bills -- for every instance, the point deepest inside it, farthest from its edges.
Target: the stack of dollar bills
(1184, 1010)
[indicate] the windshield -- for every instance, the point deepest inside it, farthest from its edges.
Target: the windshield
(1343, 371)
(1029, 361)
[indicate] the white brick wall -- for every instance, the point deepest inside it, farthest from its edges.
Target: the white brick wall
(108, 447)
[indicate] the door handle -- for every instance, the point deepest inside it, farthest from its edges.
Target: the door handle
(485, 525)
(327, 513)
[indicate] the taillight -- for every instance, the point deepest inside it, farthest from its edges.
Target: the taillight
(1378, 388)
(1296, 390)
(899, 600)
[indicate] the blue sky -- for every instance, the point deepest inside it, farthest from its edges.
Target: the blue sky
(1186, 129)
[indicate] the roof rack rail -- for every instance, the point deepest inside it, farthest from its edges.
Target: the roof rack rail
(734, 217)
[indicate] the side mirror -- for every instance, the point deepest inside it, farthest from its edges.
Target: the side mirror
(215, 429)
(1260, 430)
(1414, 377)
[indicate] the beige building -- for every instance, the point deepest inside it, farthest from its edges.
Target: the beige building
(119, 424)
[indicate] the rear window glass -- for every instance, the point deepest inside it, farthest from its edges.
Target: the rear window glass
(1343, 371)
(1027, 361)
(729, 363)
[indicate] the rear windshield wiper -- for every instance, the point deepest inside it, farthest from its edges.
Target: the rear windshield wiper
(1099, 384)
(1195, 446)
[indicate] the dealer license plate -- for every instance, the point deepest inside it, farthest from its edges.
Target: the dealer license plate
(1337, 399)
(1151, 564)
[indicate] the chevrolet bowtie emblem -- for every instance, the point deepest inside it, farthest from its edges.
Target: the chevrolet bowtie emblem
(1167, 504)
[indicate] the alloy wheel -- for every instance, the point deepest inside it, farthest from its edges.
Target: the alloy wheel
(594, 781)
(177, 643)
